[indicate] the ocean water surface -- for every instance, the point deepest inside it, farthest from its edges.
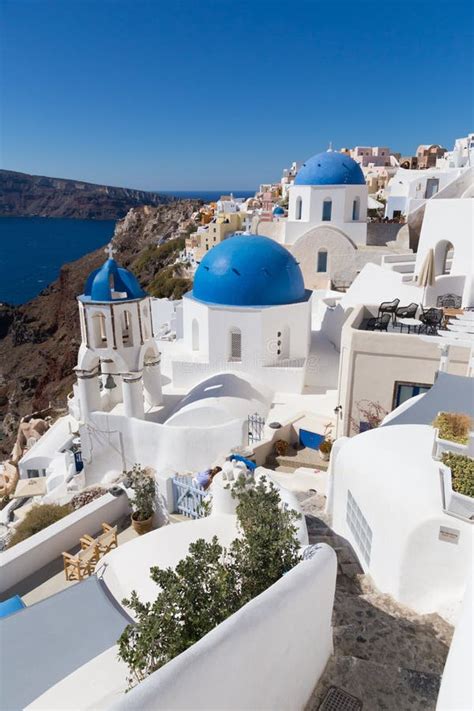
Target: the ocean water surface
(32, 250)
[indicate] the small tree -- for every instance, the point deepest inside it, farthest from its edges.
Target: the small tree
(144, 492)
(210, 583)
(268, 547)
(370, 412)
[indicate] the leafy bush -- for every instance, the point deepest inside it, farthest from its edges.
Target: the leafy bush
(38, 518)
(454, 426)
(462, 472)
(211, 583)
(144, 492)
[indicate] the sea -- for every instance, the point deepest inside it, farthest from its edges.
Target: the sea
(33, 249)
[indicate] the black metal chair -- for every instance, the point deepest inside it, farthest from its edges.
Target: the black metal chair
(431, 319)
(389, 307)
(380, 323)
(407, 311)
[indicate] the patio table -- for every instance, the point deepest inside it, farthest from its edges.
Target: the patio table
(409, 323)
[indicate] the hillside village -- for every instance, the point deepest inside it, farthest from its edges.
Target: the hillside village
(313, 344)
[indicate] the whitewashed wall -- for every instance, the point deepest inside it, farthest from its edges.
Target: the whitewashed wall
(269, 655)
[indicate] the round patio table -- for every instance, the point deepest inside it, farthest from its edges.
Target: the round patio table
(410, 323)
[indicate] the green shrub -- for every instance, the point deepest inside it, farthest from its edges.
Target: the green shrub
(462, 472)
(453, 426)
(144, 492)
(211, 583)
(38, 518)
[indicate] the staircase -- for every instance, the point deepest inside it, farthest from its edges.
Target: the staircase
(385, 654)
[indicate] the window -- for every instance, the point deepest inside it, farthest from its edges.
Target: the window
(359, 527)
(322, 261)
(195, 334)
(355, 209)
(127, 336)
(405, 391)
(98, 331)
(235, 344)
(298, 208)
(327, 210)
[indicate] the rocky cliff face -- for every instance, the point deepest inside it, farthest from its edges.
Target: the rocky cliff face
(24, 195)
(39, 340)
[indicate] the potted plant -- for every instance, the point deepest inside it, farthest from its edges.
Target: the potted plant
(452, 433)
(143, 503)
(325, 449)
(281, 448)
(458, 484)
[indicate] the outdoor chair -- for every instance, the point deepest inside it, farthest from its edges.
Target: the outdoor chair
(431, 320)
(407, 311)
(388, 307)
(103, 543)
(80, 566)
(380, 323)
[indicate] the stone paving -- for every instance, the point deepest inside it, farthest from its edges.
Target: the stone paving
(385, 654)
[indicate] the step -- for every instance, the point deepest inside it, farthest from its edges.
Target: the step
(378, 686)
(392, 641)
(390, 258)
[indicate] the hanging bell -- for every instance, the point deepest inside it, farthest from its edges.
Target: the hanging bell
(110, 383)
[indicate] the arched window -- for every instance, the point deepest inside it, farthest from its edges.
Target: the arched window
(298, 208)
(322, 261)
(195, 334)
(235, 344)
(356, 209)
(98, 330)
(127, 332)
(327, 210)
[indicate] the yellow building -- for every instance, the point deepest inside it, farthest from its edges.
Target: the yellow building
(223, 225)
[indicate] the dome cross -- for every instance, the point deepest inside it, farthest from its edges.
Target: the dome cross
(110, 250)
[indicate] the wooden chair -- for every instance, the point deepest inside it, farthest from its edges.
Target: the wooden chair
(103, 543)
(80, 566)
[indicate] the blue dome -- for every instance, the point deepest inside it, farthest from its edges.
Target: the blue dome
(249, 270)
(330, 168)
(278, 210)
(112, 283)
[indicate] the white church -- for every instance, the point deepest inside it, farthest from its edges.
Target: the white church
(243, 334)
(326, 226)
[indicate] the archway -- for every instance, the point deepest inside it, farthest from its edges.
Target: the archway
(443, 257)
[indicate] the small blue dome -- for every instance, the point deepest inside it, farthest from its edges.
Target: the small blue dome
(112, 283)
(330, 168)
(249, 270)
(278, 210)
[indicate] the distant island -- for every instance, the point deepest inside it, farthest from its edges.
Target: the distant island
(24, 195)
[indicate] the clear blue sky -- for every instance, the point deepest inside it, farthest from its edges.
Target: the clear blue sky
(195, 94)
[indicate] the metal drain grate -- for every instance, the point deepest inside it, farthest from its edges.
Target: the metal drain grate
(339, 700)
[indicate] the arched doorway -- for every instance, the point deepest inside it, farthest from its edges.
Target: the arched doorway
(444, 255)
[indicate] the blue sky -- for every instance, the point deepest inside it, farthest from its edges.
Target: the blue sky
(193, 94)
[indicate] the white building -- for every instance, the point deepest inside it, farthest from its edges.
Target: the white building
(461, 156)
(249, 313)
(388, 500)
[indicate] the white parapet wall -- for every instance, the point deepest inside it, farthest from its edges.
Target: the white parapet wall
(268, 655)
(34, 553)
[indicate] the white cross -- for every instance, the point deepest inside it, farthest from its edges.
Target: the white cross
(110, 250)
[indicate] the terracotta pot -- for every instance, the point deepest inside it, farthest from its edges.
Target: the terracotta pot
(142, 527)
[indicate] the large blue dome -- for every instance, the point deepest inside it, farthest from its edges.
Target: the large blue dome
(330, 168)
(112, 283)
(249, 270)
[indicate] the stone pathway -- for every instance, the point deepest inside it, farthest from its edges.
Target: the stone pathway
(384, 653)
